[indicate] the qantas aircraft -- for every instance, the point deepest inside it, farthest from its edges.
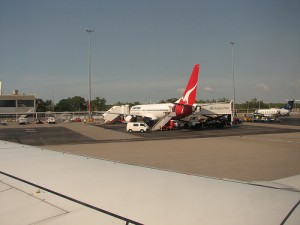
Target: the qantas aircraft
(181, 108)
(285, 111)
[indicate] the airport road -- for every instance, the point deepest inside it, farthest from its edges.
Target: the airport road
(247, 152)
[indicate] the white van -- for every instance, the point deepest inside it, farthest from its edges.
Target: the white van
(22, 120)
(137, 126)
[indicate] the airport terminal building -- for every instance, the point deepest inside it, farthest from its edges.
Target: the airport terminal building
(17, 104)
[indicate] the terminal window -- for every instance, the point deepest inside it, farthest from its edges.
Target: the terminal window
(7, 103)
(25, 103)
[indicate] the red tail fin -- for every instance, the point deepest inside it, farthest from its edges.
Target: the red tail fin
(189, 95)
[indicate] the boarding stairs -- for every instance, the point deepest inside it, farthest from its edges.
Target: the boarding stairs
(163, 121)
(115, 112)
(27, 112)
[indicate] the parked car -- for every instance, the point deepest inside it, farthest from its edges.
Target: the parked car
(50, 120)
(22, 120)
(77, 119)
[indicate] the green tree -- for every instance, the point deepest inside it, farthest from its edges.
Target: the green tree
(171, 100)
(128, 103)
(63, 105)
(200, 101)
(44, 106)
(76, 103)
(223, 100)
(134, 103)
(120, 103)
(98, 104)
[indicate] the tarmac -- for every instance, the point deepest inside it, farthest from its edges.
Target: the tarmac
(256, 157)
(248, 152)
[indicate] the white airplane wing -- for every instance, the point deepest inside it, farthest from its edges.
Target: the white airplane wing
(44, 187)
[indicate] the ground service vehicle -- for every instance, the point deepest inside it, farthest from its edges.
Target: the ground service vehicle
(77, 119)
(50, 120)
(23, 121)
(172, 124)
(137, 126)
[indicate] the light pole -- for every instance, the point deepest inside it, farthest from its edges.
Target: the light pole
(90, 65)
(233, 83)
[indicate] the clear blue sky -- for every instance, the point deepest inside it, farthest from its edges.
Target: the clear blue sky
(145, 50)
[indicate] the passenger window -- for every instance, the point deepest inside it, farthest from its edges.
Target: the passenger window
(135, 125)
(142, 125)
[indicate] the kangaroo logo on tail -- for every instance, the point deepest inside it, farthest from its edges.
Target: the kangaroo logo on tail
(189, 95)
(185, 99)
(184, 105)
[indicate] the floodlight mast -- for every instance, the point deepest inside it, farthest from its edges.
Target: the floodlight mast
(90, 65)
(233, 82)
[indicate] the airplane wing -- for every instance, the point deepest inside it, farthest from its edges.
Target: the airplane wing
(39, 186)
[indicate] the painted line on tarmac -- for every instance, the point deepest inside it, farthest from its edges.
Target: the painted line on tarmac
(30, 130)
(272, 140)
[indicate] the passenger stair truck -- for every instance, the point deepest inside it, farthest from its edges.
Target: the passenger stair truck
(114, 113)
(23, 118)
(163, 121)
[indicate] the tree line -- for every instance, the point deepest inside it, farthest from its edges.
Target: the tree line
(78, 103)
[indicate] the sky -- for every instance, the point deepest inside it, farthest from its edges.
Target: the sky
(145, 50)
